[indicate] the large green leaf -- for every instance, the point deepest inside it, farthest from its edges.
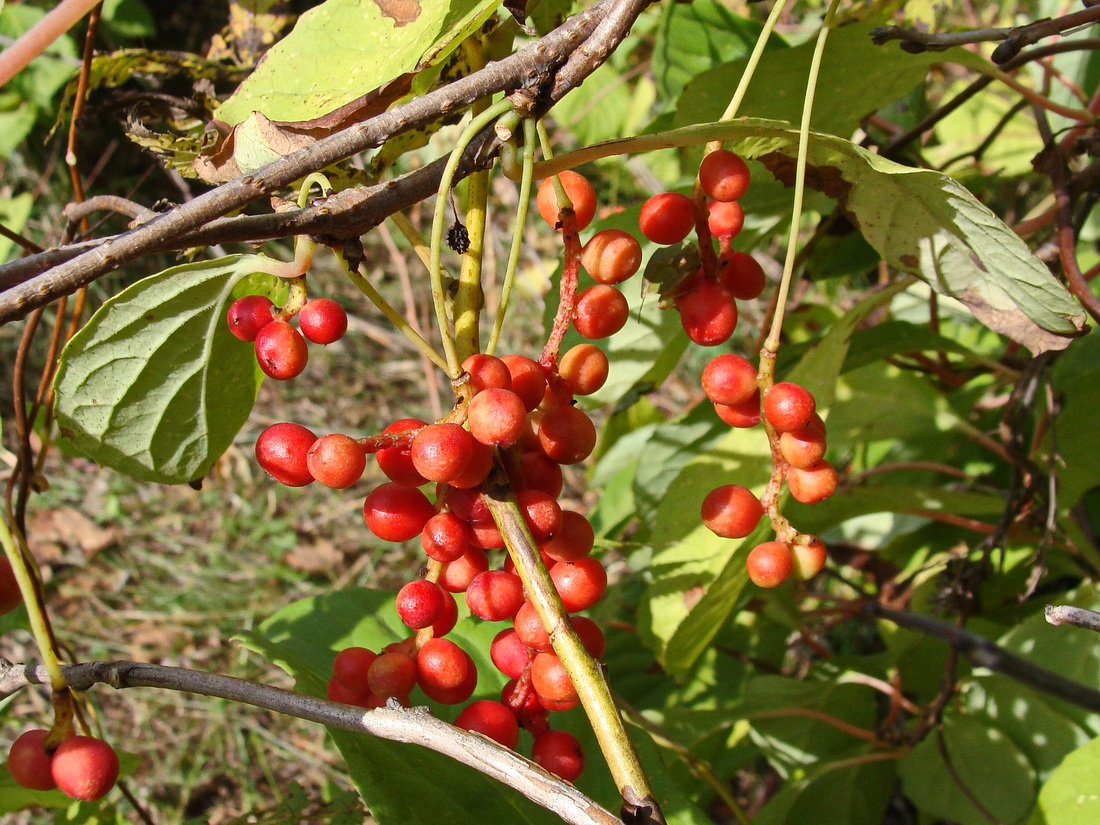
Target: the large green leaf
(154, 385)
(344, 49)
(1069, 797)
(1077, 438)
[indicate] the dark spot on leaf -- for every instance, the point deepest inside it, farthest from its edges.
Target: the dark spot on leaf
(824, 179)
(401, 12)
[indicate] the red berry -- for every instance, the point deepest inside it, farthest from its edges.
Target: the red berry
(729, 379)
(10, 597)
(580, 192)
(573, 540)
(494, 595)
(335, 691)
(440, 452)
(487, 372)
(809, 558)
(535, 471)
(788, 406)
(496, 417)
(509, 654)
(392, 674)
(431, 683)
(813, 484)
(746, 414)
(731, 511)
(725, 219)
(446, 537)
(442, 664)
(560, 753)
(396, 513)
(580, 583)
(585, 368)
(282, 450)
(541, 512)
(611, 256)
(529, 629)
(601, 311)
(708, 313)
(770, 564)
(477, 470)
(350, 667)
(396, 462)
(550, 680)
(667, 218)
(457, 575)
(336, 460)
(723, 175)
(804, 447)
(28, 762)
(323, 321)
(449, 619)
(281, 350)
(591, 636)
(528, 379)
(566, 434)
(248, 315)
(420, 604)
(85, 768)
(490, 719)
(742, 276)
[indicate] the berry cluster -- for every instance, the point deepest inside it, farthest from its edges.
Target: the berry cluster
(280, 348)
(83, 767)
(733, 511)
(707, 301)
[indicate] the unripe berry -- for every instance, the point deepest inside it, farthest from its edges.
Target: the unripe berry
(601, 311)
(770, 564)
(248, 315)
(28, 762)
(323, 321)
(723, 175)
(809, 558)
(282, 450)
(585, 368)
(336, 460)
(667, 218)
(580, 193)
(281, 351)
(611, 256)
(85, 768)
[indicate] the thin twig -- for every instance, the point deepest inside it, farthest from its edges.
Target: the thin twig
(410, 725)
(1060, 614)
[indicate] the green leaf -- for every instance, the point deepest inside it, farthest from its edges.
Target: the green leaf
(13, 215)
(985, 766)
(1069, 797)
(1076, 377)
(154, 385)
(846, 91)
(327, 61)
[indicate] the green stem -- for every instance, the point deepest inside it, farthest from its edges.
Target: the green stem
(585, 672)
(472, 129)
(772, 342)
(395, 317)
(754, 59)
(470, 296)
(526, 177)
(16, 551)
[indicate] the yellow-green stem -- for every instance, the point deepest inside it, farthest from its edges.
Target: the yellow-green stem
(526, 176)
(772, 342)
(16, 551)
(395, 317)
(470, 296)
(753, 61)
(472, 129)
(584, 671)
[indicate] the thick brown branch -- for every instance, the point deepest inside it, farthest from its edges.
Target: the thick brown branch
(414, 726)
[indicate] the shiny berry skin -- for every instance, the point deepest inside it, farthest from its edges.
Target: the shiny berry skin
(440, 452)
(746, 414)
(335, 691)
(528, 379)
(323, 321)
(350, 667)
(420, 604)
(560, 753)
(494, 595)
(336, 460)
(708, 313)
(487, 372)
(396, 513)
(667, 218)
(723, 175)
(788, 406)
(490, 719)
(580, 583)
(10, 597)
(770, 564)
(392, 674)
(85, 768)
(550, 680)
(804, 447)
(580, 192)
(509, 654)
(573, 540)
(282, 450)
(611, 256)
(585, 368)
(28, 762)
(809, 558)
(724, 220)
(248, 315)
(566, 434)
(601, 312)
(731, 511)
(449, 619)
(729, 379)
(281, 351)
(434, 682)
(457, 575)
(396, 462)
(742, 276)
(446, 537)
(496, 417)
(442, 664)
(813, 484)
